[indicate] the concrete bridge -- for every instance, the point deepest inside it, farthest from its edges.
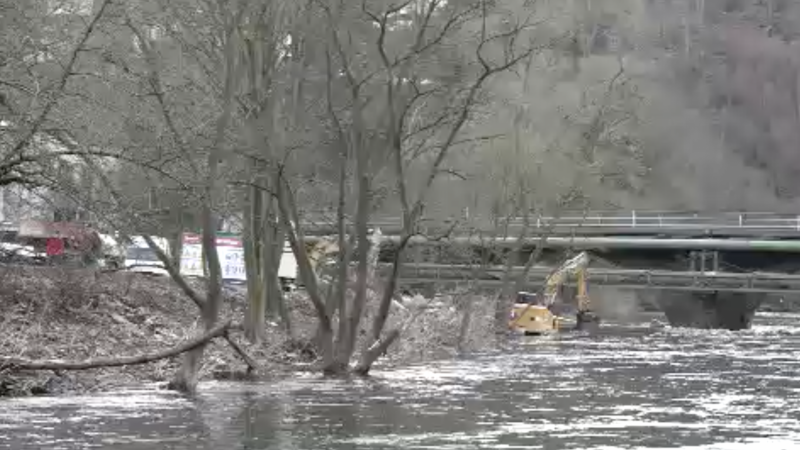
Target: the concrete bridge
(706, 270)
(735, 242)
(690, 299)
(599, 223)
(764, 282)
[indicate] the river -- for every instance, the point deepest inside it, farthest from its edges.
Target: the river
(630, 386)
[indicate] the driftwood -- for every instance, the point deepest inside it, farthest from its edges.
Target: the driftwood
(23, 364)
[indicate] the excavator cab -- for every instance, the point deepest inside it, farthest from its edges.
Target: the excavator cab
(531, 316)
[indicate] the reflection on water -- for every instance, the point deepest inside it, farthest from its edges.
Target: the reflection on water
(629, 387)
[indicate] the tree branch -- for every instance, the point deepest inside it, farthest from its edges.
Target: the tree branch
(22, 364)
(62, 82)
(173, 271)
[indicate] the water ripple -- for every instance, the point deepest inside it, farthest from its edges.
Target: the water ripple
(628, 387)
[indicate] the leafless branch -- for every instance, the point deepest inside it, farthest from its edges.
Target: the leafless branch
(23, 364)
(61, 84)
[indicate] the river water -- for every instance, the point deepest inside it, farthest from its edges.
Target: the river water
(630, 386)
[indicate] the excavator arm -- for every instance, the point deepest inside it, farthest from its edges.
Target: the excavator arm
(574, 267)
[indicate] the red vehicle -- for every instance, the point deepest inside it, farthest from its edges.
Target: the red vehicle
(62, 241)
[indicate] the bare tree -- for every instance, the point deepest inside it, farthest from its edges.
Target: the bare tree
(390, 100)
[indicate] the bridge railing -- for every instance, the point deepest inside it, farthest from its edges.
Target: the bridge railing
(637, 220)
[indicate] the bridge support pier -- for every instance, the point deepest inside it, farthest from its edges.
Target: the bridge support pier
(710, 310)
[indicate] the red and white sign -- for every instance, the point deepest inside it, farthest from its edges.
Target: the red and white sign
(229, 248)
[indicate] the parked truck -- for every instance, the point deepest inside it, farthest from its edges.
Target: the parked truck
(139, 257)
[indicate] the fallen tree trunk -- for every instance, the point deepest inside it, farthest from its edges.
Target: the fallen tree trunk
(23, 364)
(252, 365)
(381, 346)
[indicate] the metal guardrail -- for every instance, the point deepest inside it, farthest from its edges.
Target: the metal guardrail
(494, 284)
(657, 220)
(626, 278)
(633, 220)
(447, 270)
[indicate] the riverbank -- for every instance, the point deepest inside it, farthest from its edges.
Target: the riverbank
(76, 314)
(51, 313)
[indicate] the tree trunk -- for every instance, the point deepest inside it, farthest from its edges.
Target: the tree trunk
(381, 346)
(288, 214)
(187, 377)
(269, 266)
(466, 319)
(384, 307)
(346, 342)
(252, 244)
(273, 252)
(362, 266)
(336, 301)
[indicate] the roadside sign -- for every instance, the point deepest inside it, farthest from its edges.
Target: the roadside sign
(229, 248)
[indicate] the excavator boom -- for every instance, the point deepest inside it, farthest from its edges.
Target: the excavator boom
(575, 267)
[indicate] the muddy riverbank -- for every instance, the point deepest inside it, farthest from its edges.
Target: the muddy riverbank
(77, 314)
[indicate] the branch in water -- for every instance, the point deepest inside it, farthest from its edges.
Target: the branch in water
(22, 364)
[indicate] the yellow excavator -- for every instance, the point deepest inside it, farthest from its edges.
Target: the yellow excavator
(535, 315)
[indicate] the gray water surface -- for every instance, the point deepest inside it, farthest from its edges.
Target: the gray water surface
(629, 387)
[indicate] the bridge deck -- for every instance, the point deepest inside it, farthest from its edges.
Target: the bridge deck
(641, 223)
(622, 278)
